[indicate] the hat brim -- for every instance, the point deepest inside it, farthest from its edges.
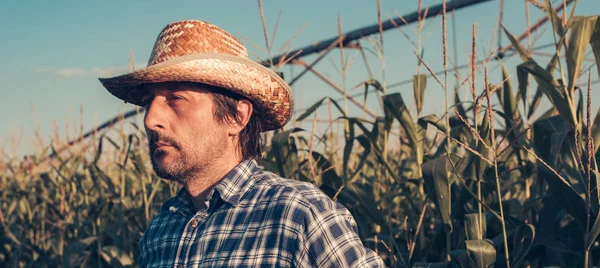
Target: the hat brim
(240, 75)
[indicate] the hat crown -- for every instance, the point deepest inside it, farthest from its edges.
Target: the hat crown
(192, 37)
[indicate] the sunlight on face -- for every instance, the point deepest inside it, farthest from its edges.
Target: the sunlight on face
(183, 136)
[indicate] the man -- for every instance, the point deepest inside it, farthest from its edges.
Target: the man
(205, 106)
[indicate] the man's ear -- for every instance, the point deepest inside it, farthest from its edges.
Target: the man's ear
(244, 112)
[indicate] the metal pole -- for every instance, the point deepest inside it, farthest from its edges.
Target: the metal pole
(373, 29)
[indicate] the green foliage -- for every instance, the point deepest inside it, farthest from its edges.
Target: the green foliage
(76, 210)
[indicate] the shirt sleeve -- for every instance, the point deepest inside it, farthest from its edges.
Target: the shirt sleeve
(331, 239)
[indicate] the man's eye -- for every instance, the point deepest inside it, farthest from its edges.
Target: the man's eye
(177, 97)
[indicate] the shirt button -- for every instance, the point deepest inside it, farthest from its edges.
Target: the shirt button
(194, 223)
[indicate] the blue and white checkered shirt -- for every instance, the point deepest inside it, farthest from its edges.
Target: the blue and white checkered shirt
(255, 219)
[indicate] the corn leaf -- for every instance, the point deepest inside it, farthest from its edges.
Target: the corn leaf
(356, 198)
(554, 19)
(596, 130)
(535, 102)
(523, 85)
(366, 141)
(114, 143)
(363, 160)
(395, 107)
(522, 242)
(286, 152)
(593, 234)
(473, 229)
(99, 150)
(374, 83)
(329, 176)
(551, 89)
(549, 113)
(438, 179)
(553, 244)
(545, 80)
(367, 202)
(594, 194)
(419, 84)
(525, 56)
(580, 106)
(595, 231)
(595, 42)
(581, 29)
(549, 135)
(381, 129)
(318, 104)
(353, 121)
(348, 148)
(138, 163)
(310, 110)
(434, 120)
(482, 252)
(461, 258)
(561, 189)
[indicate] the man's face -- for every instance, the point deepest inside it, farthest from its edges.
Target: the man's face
(183, 136)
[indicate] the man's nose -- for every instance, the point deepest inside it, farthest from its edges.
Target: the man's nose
(153, 118)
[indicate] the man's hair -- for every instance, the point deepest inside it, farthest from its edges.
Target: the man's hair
(225, 111)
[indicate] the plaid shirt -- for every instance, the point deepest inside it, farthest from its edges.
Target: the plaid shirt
(255, 219)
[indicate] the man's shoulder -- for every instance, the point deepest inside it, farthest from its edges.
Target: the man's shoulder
(271, 187)
(328, 231)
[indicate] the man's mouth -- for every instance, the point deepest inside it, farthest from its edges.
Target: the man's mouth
(161, 147)
(162, 144)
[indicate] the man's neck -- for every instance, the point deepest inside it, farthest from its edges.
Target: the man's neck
(200, 186)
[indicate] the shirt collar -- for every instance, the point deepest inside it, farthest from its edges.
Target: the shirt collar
(230, 189)
(237, 182)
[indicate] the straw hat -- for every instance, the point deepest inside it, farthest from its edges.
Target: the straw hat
(197, 51)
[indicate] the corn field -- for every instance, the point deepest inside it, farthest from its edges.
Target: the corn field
(484, 184)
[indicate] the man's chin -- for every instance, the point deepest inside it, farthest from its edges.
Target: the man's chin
(168, 172)
(162, 152)
(162, 159)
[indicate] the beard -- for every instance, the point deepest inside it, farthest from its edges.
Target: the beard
(177, 169)
(183, 162)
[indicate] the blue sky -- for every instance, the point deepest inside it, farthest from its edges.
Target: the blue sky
(53, 52)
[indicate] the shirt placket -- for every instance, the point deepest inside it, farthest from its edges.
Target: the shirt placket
(189, 236)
